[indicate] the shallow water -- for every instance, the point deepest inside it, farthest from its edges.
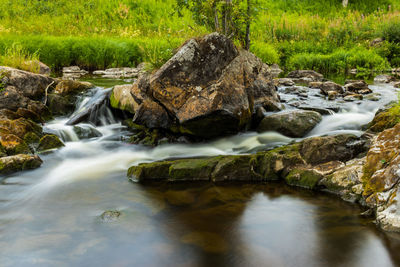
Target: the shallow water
(52, 216)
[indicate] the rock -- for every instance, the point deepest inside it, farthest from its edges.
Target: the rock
(353, 97)
(208, 88)
(373, 97)
(295, 123)
(110, 215)
(40, 66)
(60, 105)
(70, 87)
(86, 132)
(49, 141)
(19, 162)
(345, 180)
(284, 82)
(275, 70)
(237, 168)
(376, 42)
(317, 150)
(385, 119)
(13, 144)
(329, 86)
(332, 95)
(207, 241)
(396, 85)
(303, 178)
(384, 78)
(73, 69)
(122, 99)
(321, 111)
(118, 73)
(357, 87)
(152, 115)
(381, 178)
(92, 113)
(308, 75)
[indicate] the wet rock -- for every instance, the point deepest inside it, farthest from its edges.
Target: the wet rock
(327, 87)
(19, 162)
(353, 97)
(49, 141)
(385, 119)
(321, 111)
(373, 97)
(151, 115)
(71, 87)
(94, 112)
(208, 88)
(384, 78)
(110, 215)
(306, 75)
(179, 198)
(303, 178)
(86, 132)
(192, 169)
(332, 95)
(357, 87)
(60, 105)
(317, 150)
(73, 72)
(396, 85)
(238, 168)
(122, 99)
(295, 123)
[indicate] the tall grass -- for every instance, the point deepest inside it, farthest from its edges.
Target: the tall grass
(97, 34)
(18, 57)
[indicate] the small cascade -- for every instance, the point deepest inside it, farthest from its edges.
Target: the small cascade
(94, 109)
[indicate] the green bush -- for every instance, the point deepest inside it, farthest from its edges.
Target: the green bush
(266, 52)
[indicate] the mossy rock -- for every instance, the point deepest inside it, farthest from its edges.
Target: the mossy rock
(19, 162)
(120, 98)
(13, 145)
(70, 87)
(192, 169)
(303, 178)
(48, 142)
(60, 105)
(150, 171)
(385, 119)
(238, 168)
(31, 138)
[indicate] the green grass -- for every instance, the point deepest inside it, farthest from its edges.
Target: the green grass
(97, 34)
(18, 57)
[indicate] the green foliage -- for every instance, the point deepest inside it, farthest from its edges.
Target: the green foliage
(266, 52)
(340, 60)
(391, 31)
(18, 57)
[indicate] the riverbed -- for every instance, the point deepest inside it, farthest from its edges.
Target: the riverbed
(52, 216)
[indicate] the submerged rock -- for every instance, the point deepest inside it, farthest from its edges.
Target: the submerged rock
(294, 123)
(110, 215)
(19, 162)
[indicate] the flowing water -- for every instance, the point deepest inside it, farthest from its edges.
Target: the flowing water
(51, 216)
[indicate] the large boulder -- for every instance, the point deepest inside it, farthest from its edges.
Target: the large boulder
(357, 87)
(293, 123)
(122, 99)
(208, 88)
(381, 178)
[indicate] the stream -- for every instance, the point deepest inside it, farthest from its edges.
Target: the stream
(51, 216)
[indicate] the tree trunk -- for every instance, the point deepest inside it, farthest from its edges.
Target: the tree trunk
(345, 3)
(216, 21)
(248, 22)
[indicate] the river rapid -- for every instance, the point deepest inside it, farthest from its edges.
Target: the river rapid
(52, 216)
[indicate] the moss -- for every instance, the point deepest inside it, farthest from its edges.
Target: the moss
(303, 178)
(31, 138)
(150, 171)
(385, 120)
(117, 104)
(49, 141)
(193, 169)
(242, 167)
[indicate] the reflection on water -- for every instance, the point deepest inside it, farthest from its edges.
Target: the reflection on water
(182, 225)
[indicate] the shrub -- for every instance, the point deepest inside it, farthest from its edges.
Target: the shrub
(266, 52)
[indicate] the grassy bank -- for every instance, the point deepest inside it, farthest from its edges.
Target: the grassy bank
(97, 34)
